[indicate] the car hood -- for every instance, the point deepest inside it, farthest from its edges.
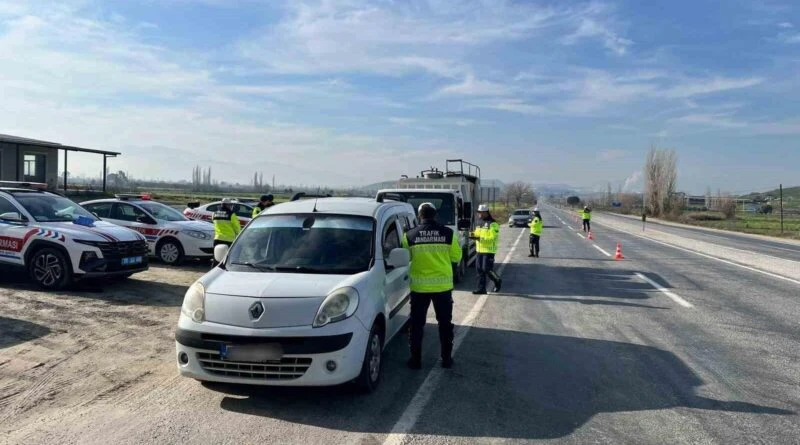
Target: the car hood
(100, 231)
(288, 299)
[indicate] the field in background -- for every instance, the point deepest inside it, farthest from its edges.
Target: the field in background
(769, 225)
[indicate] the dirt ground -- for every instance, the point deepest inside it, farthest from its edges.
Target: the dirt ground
(61, 352)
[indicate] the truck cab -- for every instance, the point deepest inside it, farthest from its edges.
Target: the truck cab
(455, 193)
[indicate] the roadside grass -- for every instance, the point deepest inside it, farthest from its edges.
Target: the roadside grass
(769, 225)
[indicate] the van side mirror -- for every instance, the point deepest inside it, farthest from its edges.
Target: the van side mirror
(220, 252)
(398, 257)
(464, 224)
(468, 210)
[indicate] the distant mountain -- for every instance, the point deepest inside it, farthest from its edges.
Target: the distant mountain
(791, 194)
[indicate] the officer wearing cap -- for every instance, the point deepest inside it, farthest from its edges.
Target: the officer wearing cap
(434, 249)
(226, 223)
(264, 203)
(486, 234)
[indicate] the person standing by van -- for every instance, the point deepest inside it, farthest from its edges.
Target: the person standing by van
(486, 234)
(264, 203)
(434, 249)
(536, 233)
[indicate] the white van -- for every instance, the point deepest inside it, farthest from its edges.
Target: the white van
(308, 295)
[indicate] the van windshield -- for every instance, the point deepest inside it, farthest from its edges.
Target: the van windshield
(328, 244)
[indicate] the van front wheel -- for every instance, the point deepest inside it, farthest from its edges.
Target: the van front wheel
(371, 369)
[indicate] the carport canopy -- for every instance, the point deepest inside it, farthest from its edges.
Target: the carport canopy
(20, 141)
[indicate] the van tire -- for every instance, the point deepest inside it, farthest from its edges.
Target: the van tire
(49, 269)
(370, 376)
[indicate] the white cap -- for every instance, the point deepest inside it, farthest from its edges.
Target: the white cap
(425, 204)
(227, 201)
(483, 208)
(536, 209)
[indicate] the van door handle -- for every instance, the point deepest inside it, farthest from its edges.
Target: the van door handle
(405, 278)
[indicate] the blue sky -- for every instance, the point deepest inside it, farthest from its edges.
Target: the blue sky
(351, 92)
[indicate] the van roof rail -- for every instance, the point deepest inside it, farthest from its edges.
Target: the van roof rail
(300, 195)
(390, 196)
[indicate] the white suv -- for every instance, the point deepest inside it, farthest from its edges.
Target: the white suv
(172, 237)
(309, 294)
(58, 241)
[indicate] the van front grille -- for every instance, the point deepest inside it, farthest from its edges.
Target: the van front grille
(288, 368)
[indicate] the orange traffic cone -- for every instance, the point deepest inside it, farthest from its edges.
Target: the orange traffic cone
(591, 237)
(619, 256)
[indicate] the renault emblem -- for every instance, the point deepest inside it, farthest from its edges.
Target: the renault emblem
(256, 310)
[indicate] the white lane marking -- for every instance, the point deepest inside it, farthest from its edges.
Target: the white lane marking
(664, 291)
(601, 250)
(570, 227)
(414, 409)
(580, 235)
(704, 255)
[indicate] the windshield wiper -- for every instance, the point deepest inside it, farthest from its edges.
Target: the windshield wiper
(254, 266)
(299, 269)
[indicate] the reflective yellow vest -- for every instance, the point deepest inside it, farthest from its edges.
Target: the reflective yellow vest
(434, 249)
(536, 226)
(226, 225)
(487, 235)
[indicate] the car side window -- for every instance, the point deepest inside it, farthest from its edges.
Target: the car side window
(127, 212)
(101, 209)
(391, 237)
(7, 207)
(243, 211)
(213, 208)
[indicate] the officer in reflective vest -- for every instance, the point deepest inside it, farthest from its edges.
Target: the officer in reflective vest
(226, 223)
(486, 234)
(264, 203)
(434, 249)
(536, 233)
(586, 214)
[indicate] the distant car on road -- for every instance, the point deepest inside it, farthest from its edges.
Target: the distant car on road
(309, 294)
(195, 211)
(59, 242)
(171, 237)
(520, 218)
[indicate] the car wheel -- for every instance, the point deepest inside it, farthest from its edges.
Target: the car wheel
(170, 252)
(49, 269)
(371, 369)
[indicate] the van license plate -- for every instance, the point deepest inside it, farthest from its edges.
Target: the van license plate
(271, 352)
(130, 261)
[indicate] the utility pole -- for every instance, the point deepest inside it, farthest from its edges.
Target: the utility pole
(781, 198)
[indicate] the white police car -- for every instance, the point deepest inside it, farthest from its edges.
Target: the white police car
(242, 208)
(58, 241)
(309, 294)
(171, 236)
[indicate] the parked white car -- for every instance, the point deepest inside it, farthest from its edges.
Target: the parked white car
(59, 242)
(195, 211)
(309, 294)
(171, 237)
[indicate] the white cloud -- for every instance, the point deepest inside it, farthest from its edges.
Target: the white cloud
(792, 39)
(696, 87)
(471, 86)
(591, 28)
(722, 120)
(785, 25)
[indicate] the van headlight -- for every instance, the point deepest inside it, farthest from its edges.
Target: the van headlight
(194, 303)
(337, 306)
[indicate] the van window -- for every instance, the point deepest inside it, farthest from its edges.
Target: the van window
(391, 237)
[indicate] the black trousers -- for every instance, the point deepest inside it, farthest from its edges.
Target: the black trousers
(534, 244)
(587, 226)
(485, 266)
(443, 306)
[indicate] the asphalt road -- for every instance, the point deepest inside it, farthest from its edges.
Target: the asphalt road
(776, 248)
(576, 349)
